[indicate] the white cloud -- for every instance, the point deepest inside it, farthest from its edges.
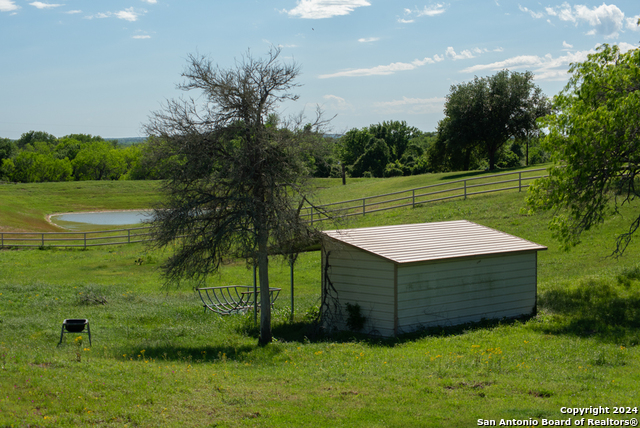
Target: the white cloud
(566, 45)
(433, 10)
(563, 12)
(336, 102)
(41, 5)
(624, 47)
(411, 105)
(607, 20)
(632, 23)
(8, 6)
(369, 39)
(150, 1)
(438, 58)
(318, 9)
(533, 14)
(128, 15)
(73, 12)
(466, 54)
(141, 36)
(334, 97)
(383, 70)
(499, 49)
(379, 70)
(544, 68)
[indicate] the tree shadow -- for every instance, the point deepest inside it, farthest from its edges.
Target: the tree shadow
(597, 308)
(471, 174)
(245, 327)
(461, 175)
(191, 354)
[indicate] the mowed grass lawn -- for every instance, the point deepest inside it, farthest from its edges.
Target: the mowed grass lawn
(157, 360)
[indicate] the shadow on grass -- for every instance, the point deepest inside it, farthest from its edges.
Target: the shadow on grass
(309, 332)
(602, 308)
(608, 310)
(473, 174)
(192, 354)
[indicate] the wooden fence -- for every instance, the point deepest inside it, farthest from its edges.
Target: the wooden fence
(369, 204)
(74, 239)
(462, 188)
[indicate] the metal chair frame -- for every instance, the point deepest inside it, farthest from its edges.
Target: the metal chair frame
(233, 299)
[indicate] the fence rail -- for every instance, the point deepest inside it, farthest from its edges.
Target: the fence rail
(74, 239)
(421, 195)
(367, 205)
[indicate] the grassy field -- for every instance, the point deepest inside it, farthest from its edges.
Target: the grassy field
(158, 360)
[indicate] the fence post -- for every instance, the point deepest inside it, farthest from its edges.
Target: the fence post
(413, 198)
(520, 181)
(255, 294)
(363, 206)
(128, 236)
(465, 189)
(311, 211)
(85, 240)
(43, 239)
(2, 239)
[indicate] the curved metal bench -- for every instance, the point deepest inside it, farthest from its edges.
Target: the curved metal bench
(233, 299)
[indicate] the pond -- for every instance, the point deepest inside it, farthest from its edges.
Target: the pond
(77, 221)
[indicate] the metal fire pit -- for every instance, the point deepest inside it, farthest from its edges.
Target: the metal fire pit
(75, 325)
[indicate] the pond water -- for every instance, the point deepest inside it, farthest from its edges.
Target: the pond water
(106, 218)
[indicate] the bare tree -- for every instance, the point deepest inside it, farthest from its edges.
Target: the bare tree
(237, 186)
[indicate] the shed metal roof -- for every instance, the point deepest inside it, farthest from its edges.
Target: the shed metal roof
(420, 242)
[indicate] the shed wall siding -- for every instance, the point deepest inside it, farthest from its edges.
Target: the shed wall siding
(365, 279)
(467, 290)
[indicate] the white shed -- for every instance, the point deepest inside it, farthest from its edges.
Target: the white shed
(414, 276)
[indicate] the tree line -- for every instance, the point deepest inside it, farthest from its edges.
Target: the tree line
(38, 156)
(489, 123)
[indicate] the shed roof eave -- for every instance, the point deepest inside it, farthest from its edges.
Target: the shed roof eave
(424, 242)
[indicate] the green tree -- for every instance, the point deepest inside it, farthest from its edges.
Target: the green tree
(67, 148)
(98, 160)
(33, 137)
(86, 138)
(157, 160)
(353, 144)
(396, 135)
(374, 159)
(451, 150)
(7, 148)
(238, 187)
(7, 169)
(594, 138)
(368, 151)
(34, 167)
(486, 112)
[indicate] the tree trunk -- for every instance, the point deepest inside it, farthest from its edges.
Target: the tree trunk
(467, 159)
(492, 158)
(263, 275)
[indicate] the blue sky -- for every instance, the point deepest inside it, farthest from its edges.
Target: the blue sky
(97, 67)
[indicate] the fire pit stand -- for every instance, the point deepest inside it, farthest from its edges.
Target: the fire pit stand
(75, 325)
